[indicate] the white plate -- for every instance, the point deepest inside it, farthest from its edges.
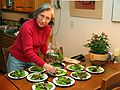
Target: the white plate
(58, 67)
(38, 80)
(78, 78)
(9, 75)
(29, 69)
(34, 86)
(68, 67)
(100, 69)
(72, 81)
(62, 74)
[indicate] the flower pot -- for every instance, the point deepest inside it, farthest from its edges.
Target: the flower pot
(98, 59)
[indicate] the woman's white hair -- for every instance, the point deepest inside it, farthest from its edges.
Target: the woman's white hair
(42, 8)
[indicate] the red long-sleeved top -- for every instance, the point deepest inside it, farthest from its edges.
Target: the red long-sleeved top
(30, 40)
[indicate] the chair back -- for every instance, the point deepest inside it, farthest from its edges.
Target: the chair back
(111, 82)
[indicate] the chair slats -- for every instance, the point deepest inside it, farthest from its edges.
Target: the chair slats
(110, 82)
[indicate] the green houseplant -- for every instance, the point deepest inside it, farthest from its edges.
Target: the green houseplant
(99, 46)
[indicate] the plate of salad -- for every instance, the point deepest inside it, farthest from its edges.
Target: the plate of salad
(95, 69)
(59, 72)
(75, 67)
(36, 69)
(43, 86)
(18, 74)
(80, 75)
(37, 77)
(63, 81)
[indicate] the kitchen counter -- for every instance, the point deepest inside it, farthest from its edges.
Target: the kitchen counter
(8, 29)
(6, 39)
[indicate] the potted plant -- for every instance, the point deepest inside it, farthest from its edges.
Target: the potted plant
(99, 47)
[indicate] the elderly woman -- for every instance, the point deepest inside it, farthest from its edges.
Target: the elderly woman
(32, 37)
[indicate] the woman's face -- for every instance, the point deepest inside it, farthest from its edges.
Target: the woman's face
(44, 18)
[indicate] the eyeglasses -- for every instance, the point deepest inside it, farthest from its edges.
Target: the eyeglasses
(44, 17)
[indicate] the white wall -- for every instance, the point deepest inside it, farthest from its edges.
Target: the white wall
(75, 31)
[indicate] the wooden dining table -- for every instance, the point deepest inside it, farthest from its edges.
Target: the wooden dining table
(90, 84)
(6, 84)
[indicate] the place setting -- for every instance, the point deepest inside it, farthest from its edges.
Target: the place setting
(75, 67)
(37, 77)
(63, 81)
(95, 69)
(18, 74)
(43, 86)
(80, 75)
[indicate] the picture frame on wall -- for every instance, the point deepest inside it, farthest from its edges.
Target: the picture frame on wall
(86, 9)
(116, 11)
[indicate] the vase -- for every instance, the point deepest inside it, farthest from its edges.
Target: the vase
(98, 59)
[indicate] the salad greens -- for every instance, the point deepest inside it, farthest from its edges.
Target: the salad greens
(43, 86)
(63, 80)
(60, 72)
(80, 74)
(37, 76)
(94, 69)
(18, 73)
(57, 64)
(76, 67)
(36, 68)
(56, 55)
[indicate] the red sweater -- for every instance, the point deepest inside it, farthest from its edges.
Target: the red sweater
(30, 40)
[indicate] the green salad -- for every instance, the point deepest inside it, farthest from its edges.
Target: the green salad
(94, 69)
(36, 69)
(56, 55)
(43, 86)
(63, 80)
(37, 76)
(57, 64)
(18, 73)
(75, 67)
(80, 74)
(60, 72)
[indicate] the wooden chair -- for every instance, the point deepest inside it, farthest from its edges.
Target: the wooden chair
(4, 51)
(117, 88)
(111, 83)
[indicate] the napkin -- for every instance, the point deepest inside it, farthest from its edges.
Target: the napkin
(69, 60)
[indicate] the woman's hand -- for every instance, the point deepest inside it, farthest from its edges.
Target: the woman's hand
(49, 68)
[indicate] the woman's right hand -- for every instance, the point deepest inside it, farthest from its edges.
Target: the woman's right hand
(49, 68)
